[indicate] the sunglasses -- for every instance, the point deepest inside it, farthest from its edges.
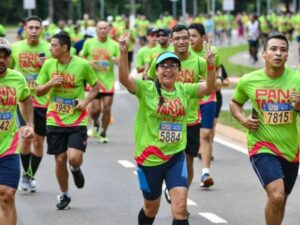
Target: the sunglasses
(172, 66)
(162, 35)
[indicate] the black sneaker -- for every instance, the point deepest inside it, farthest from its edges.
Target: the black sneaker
(78, 178)
(63, 202)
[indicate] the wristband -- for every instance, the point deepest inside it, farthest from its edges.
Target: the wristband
(209, 68)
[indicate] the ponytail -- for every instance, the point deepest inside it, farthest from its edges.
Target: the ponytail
(158, 88)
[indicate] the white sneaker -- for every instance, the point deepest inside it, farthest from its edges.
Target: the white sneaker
(92, 132)
(32, 185)
(25, 182)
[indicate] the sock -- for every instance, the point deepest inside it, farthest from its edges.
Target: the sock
(73, 168)
(66, 193)
(180, 222)
(96, 125)
(143, 219)
(103, 133)
(205, 170)
(25, 159)
(35, 162)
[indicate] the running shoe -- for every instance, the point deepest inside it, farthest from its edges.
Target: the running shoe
(103, 139)
(63, 202)
(78, 178)
(92, 132)
(25, 182)
(206, 181)
(167, 196)
(32, 185)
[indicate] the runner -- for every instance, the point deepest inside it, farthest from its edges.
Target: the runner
(28, 57)
(207, 105)
(103, 53)
(13, 91)
(160, 132)
(273, 140)
(144, 54)
(64, 77)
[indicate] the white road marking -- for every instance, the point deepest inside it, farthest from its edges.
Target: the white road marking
(231, 145)
(126, 163)
(191, 203)
(212, 217)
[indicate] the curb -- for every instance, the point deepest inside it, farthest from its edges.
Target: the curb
(236, 136)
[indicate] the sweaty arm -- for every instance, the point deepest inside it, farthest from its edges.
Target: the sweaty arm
(26, 110)
(237, 112)
(124, 78)
(45, 88)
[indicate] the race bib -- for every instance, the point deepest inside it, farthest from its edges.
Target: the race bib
(64, 105)
(5, 121)
(277, 113)
(103, 65)
(31, 78)
(170, 132)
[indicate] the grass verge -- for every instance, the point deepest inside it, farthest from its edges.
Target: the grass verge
(232, 68)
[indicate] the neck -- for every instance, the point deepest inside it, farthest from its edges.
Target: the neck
(164, 45)
(274, 72)
(182, 55)
(198, 48)
(32, 42)
(65, 58)
(102, 39)
(167, 87)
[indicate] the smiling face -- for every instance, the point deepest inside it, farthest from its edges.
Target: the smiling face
(167, 72)
(276, 53)
(181, 40)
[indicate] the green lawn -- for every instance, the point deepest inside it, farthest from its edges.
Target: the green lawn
(234, 69)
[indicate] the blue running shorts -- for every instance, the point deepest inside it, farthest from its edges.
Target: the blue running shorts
(151, 178)
(208, 112)
(10, 170)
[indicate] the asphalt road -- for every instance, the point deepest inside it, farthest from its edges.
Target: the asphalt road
(111, 195)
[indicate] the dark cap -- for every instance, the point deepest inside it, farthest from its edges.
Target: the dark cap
(151, 30)
(167, 55)
(4, 44)
(165, 31)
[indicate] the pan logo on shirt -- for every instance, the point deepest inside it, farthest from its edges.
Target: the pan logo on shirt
(68, 80)
(29, 60)
(8, 96)
(172, 108)
(186, 76)
(101, 54)
(269, 96)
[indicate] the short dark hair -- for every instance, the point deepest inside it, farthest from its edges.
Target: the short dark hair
(35, 18)
(198, 27)
(178, 27)
(63, 39)
(275, 35)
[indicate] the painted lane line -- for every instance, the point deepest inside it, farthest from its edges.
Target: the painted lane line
(231, 145)
(191, 203)
(126, 163)
(212, 217)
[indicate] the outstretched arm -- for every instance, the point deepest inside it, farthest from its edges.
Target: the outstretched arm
(124, 78)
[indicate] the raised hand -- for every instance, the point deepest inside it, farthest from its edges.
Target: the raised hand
(124, 41)
(209, 55)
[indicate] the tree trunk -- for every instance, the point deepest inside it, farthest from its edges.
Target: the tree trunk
(70, 9)
(51, 9)
(90, 8)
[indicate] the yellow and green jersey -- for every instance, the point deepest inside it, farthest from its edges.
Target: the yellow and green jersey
(277, 132)
(13, 88)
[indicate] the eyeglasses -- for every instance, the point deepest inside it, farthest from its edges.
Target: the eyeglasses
(172, 66)
(178, 38)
